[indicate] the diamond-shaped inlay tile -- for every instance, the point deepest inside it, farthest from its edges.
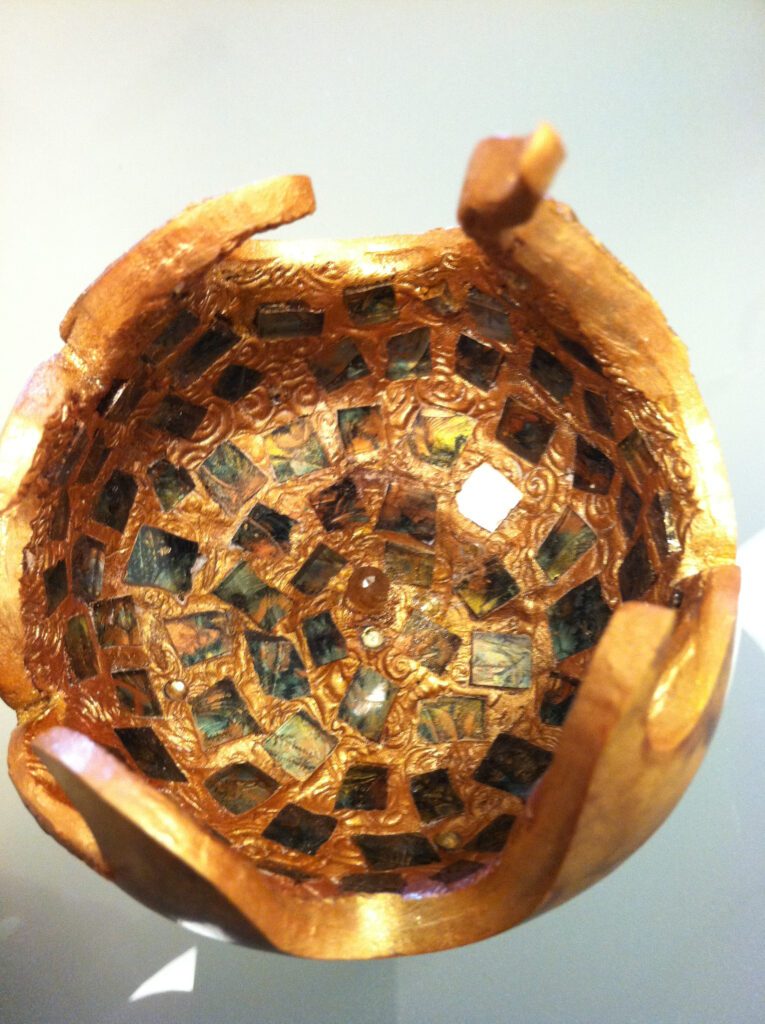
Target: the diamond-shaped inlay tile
(300, 745)
(364, 788)
(444, 719)
(88, 559)
(489, 315)
(636, 574)
(487, 497)
(513, 765)
(492, 838)
(661, 522)
(439, 436)
(318, 569)
(150, 754)
(245, 590)
(115, 501)
(630, 504)
(409, 508)
(300, 829)
(134, 692)
(409, 565)
(206, 350)
(580, 353)
(367, 702)
(229, 477)
(200, 636)
(56, 586)
(94, 460)
(361, 429)
(79, 647)
(555, 378)
(557, 703)
(635, 451)
(324, 639)
(121, 399)
(339, 365)
(178, 417)
(501, 661)
(396, 850)
(577, 620)
(170, 337)
(593, 471)
(280, 669)
(434, 796)
(294, 450)
(371, 303)
(486, 588)
(524, 431)
(115, 622)
(564, 545)
(409, 355)
(424, 641)
(161, 559)
(339, 505)
(598, 413)
(171, 483)
(477, 362)
(288, 320)
(221, 715)
(456, 872)
(265, 532)
(372, 881)
(236, 381)
(240, 787)
(59, 520)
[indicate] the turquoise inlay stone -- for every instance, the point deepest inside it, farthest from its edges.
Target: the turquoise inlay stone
(94, 460)
(564, 545)
(79, 647)
(88, 560)
(265, 532)
(200, 636)
(221, 715)
(236, 381)
(288, 320)
(438, 436)
(178, 417)
(299, 745)
(524, 431)
(513, 765)
(593, 471)
(339, 365)
(294, 450)
(367, 702)
(299, 829)
(371, 303)
(409, 565)
(630, 505)
(396, 850)
(661, 521)
(280, 669)
(493, 837)
(135, 693)
(598, 413)
(171, 483)
(115, 622)
(339, 505)
(477, 362)
(486, 588)
(424, 641)
(410, 508)
(56, 586)
(170, 337)
(555, 378)
(373, 881)
(229, 477)
(409, 355)
(149, 754)
(115, 501)
(445, 719)
(361, 429)
(501, 661)
(577, 620)
(161, 559)
(434, 796)
(245, 590)
(318, 569)
(324, 639)
(636, 574)
(240, 787)
(206, 350)
(489, 315)
(364, 788)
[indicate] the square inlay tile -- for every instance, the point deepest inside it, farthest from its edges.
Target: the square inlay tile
(524, 431)
(445, 719)
(501, 661)
(364, 788)
(200, 636)
(438, 436)
(115, 501)
(489, 586)
(577, 620)
(171, 483)
(300, 829)
(300, 745)
(434, 796)
(229, 477)
(636, 574)
(395, 850)
(161, 559)
(280, 669)
(240, 787)
(150, 754)
(178, 417)
(593, 471)
(318, 569)
(424, 641)
(324, 639)
(221, 715)
(367, 702)
(477, 362)
(245, 590)
(79, 647)
(135, 694)
(115, 622)
(88, 560)
(409, 355)
(550, 372)
(569, 539)
(265, 532)
(487, 497)
(294, 450)
(513, 765)
(361, 429)
(489, 315)
(409, 565)
(288, 320)
(409, 508)
(339, 505)
(339, 365)
(371, 303)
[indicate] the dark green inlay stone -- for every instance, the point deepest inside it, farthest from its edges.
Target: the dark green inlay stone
(489, 314)
(79, 647)
(56, 586)
(121, 399)
(318, 569)
(115, 501)
(236, 381)
(456, 872)
(493, 838)
(170, 483)
(135, 694)
(367, 702)
(299, 829)
(424, 641)
(555, 378)
(59, 470)
(299, 745)
(434, 796)
(580, 353)
(501, 661)
(398, 850)
(115, 622)
(477, 363)
(598, 413)
(409, 565)
(629, 509)
(661, 522)
(513, 765)
(577, 620)
(206, 350)
(178, 417)
(229, 477)
(339, 365)
(240, 787)
(637, 454)
(245, 590)
(438, 437)
(372, 881)
(288, 320)
(94, 460)
(265, 532)
(636, 574)
(556, 705)
(409, 355)
(371, 303)
(524, 431)
(171, 336)
(361, 429)
(445, 719)
(487, 588)
(339, 505)
(564, 545)
(200, 637)
(161, 559)
(275, 868)
(280, 669)
(149, 754)
(409, 508)
(59, 520)
(294, 450)
(593, 471)
(364, 788)
(221, 715)
(88, 559)
(324, 639)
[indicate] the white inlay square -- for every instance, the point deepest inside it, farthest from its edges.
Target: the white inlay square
(487, 496)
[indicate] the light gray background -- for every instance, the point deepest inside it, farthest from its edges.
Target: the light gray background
(115, 115)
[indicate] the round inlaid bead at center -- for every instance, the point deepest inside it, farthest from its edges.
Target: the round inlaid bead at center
(368, 589)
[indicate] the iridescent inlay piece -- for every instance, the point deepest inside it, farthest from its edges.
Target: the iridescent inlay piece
(489, 315)
(513, 765)
(409, 354)
(593, 471)
(300, 829)
(170, 337)
(555, 378)
(265, 532)
(56, 586)
(556, 705)
(200, 637)
(409, 565)
(367, 702)
(339, 365)
(229, 477)
(373, 881)
(135, 693)
(630, 504)
(578, 619)
(397, 850)
(171, 483)
(79, 647)
(339, 505)
(59, 520)
(318, 569)
(661, 521)
(564, 545)
(288, 320)
(94, 460)
(636, 574)
(294, 450)
(236, 381)
(115, 501)
(280, 669)
(361, 429)
(634, 449)
(371, 303)
(457, 872)
(161, 559)
(206, 350)
(115, 622)
(486, 588)
(240, 787)
(410, 508)
(150, 754)
(88, 559)
(524, 431)
(364, 788)
(438, 436)
(245, 590)
(177, 417)
(221, 715)
(477, 362)
(501, 661)
(492, 838)
(324, 639)
(434, 796)
(445, 719)
(598, 413)
(121, 399)
(424, 641)
(299, 745)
